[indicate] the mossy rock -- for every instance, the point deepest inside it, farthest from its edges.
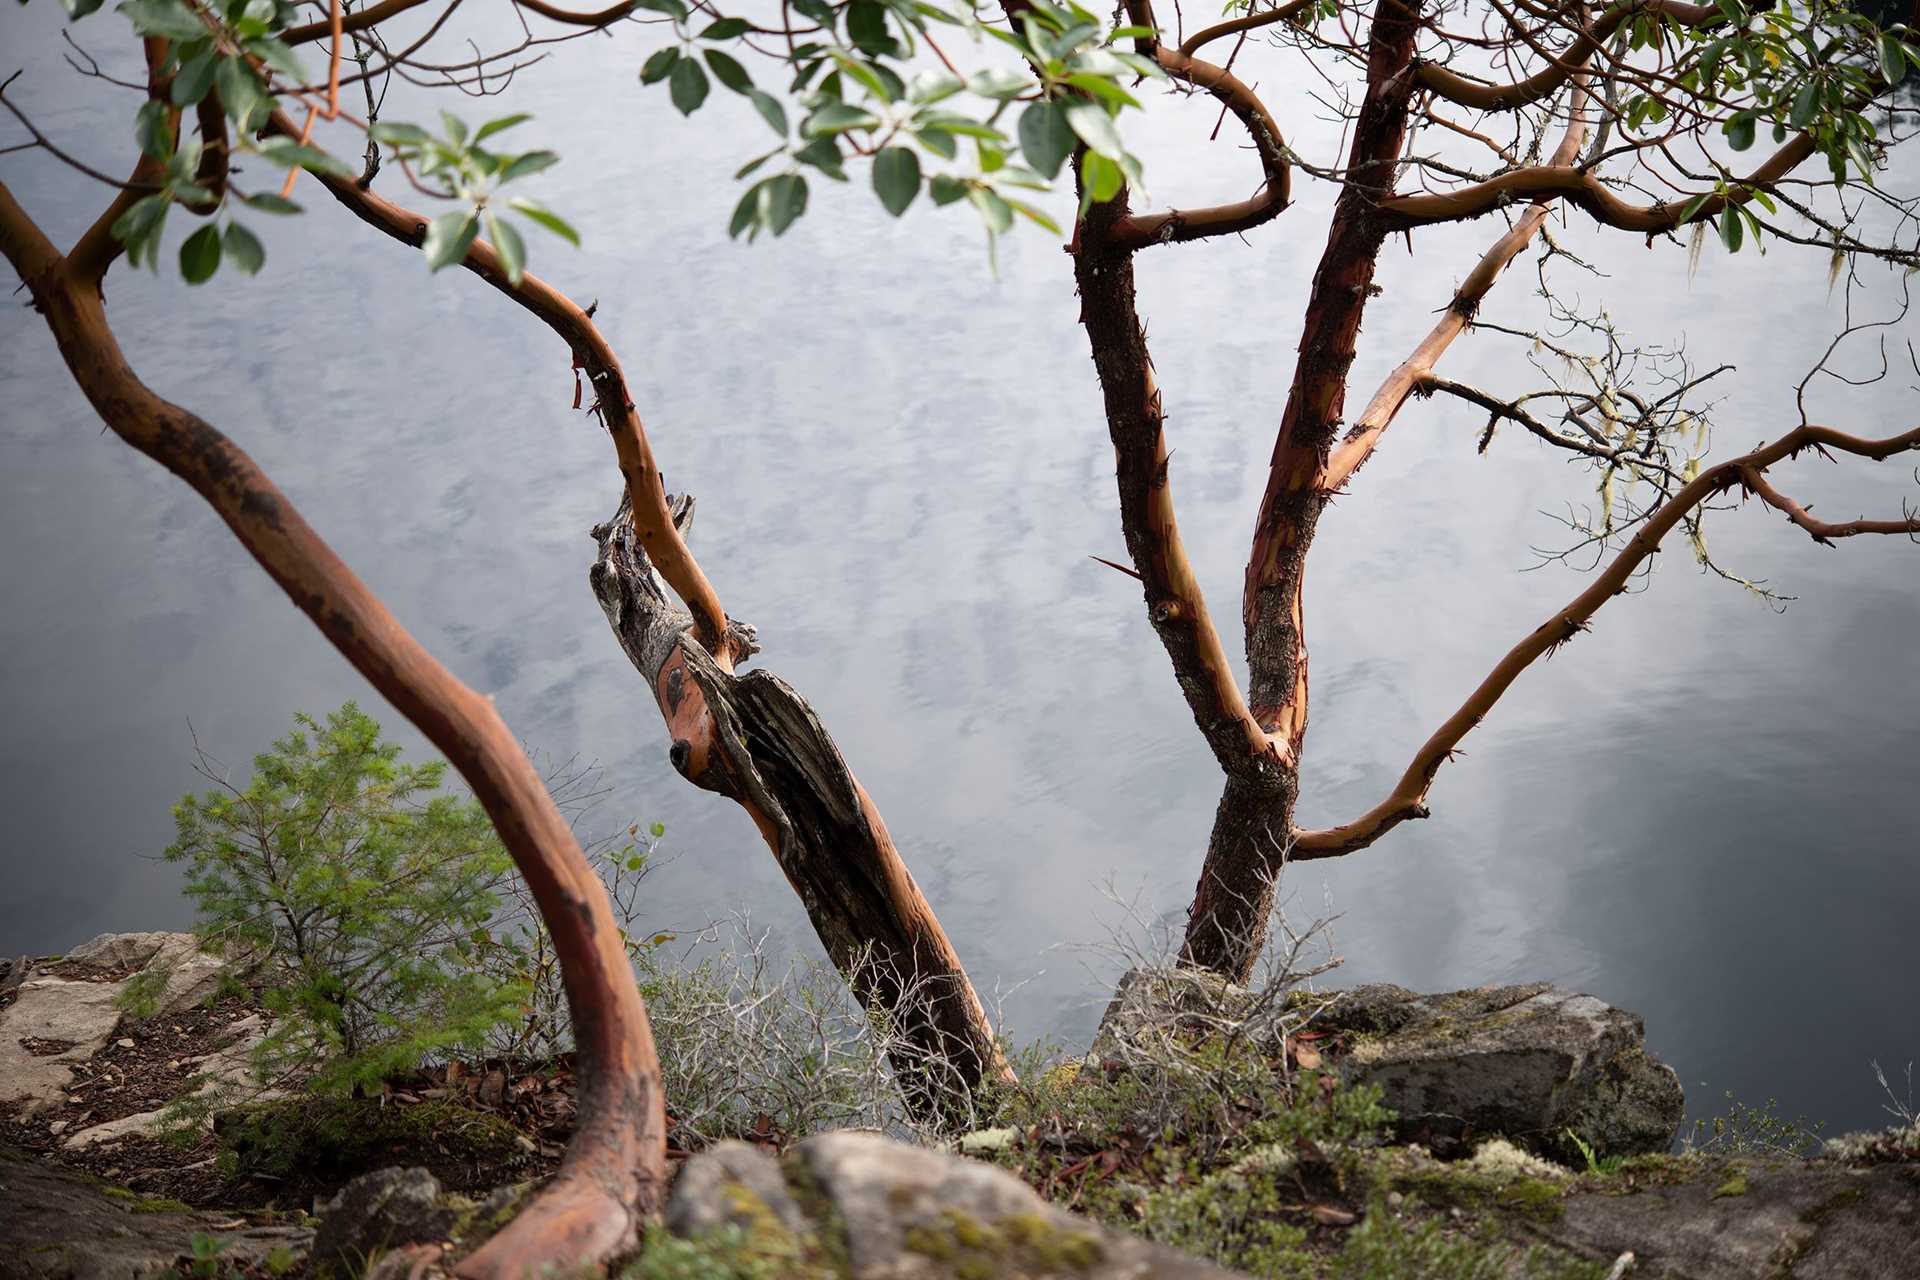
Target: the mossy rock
(323, 1143)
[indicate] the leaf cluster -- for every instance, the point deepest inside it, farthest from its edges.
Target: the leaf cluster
(956, 137)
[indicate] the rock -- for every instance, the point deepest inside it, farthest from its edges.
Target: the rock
(706, 1195)
(886, 1210)
(380, 1211)
(56, 1023)
(50, 1011)
(1527, 1062)
(114, 950)
(1755, 1218)
(56, 1226)
(226, 1072)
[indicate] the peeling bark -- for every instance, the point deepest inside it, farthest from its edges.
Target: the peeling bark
(754, 740)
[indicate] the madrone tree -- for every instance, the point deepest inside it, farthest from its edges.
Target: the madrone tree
(1669, 122)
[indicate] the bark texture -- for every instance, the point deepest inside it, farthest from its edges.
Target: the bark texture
(754, 740)
(1227, 924)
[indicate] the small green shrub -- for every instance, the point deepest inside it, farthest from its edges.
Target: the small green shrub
(364, 887)
(1743, 1130)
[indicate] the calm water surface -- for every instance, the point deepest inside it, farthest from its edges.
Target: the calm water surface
(1702, 812)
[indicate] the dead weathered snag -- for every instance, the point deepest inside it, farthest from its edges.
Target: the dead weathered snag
(822, 827)
(612, 1177)
(754, 740)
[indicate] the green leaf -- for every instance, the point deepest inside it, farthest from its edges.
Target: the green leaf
(400, 134)
(455, 127)
(195, 77)
(659, 829)
(938, 141)
(527, 165)
(728, 71)
(244, 249)
(945, 190)
(687, 86)
(153, 129)
(929, 87)
(270, 202)
(836, 117)
(511, 248)
(139, 227)
(279, 57)
(168, 19)
(1730, 228)
(659, 65)
(77, 9)
(672, 8)
(240, 91)
(287, 152)
(1000, 82)
(1035, 215)
(545, 217)
(867, 27)
(725, 29)
(1095, 127)
(449, 236)
(824, 155)
(1805, 104)
(501, 125)
(782, 200)
(1892, 58)
(770, 110)
(1101, 178)
(896, 178)
(994, 211)
(1102, 88)
(864, 73)
(1045, 137)
(200, 255)
(1740, 131)
(746, 213)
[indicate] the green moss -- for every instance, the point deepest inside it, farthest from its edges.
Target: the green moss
(1025, 1244)
(337, 1138)
(1461, 1186)
(119, 1193)
(1734, 1185)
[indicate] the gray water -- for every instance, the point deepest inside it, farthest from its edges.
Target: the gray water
(1702, 812)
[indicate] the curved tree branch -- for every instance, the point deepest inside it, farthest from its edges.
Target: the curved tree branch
(1408, 799)
(1364, 436)
(1174, 226)
(615, 404)
(1246, 22)
(613, 1175)
(371, 16)
(1582, 188)
(1588, 41)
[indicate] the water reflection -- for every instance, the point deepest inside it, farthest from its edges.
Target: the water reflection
(1699, 812)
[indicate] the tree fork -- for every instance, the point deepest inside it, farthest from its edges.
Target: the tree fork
(613, 1175)
(1226, 925)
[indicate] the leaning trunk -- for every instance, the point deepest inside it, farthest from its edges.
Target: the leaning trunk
(753, 739)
